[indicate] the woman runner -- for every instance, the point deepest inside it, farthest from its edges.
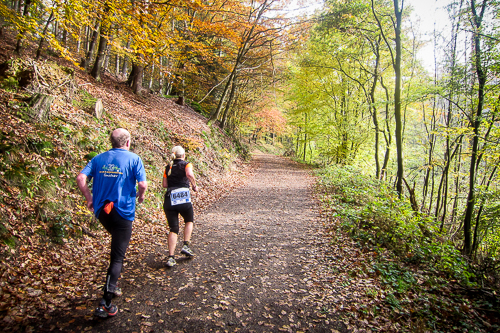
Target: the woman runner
(176, 179)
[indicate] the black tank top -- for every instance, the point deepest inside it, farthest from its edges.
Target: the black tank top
(177, 177)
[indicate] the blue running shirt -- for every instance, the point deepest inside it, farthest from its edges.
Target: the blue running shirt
(115, 174)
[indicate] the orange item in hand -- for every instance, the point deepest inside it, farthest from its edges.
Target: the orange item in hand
(108, 207)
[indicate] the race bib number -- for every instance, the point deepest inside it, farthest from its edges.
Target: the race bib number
(180, 196)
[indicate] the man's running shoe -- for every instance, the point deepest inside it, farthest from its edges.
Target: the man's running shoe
(118, 292)
(104, 311)
(171, 262)
(187, 251)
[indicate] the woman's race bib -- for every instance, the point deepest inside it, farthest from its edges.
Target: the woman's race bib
(180, 196)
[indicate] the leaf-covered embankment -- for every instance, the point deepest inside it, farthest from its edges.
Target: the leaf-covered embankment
(54, 253)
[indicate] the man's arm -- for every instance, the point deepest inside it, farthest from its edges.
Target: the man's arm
(81, 181)
(143, 186)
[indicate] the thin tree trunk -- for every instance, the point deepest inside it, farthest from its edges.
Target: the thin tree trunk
(375, 115)
(79, 42)
(433, 183)
(160, 76)
(117, 65)
(105, 66)
(297, 143)
(476, 123)
(397, 98)
(93, 41)
(228, 105)
(56, 29)
(430, 166)
(101, 52)
(305, 136)
(387, 132)
(449, 116)
(42, 39)
(475, 244)
(24, 13)
(124, 68)
(150, 85)
(65, 37)
(457, 184)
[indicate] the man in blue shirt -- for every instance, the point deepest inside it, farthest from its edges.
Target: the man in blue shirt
(113, 197)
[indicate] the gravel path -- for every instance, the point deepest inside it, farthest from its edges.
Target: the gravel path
(255, 250)
(252, 256)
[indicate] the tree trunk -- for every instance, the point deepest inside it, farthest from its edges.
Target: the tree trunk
(476, 123)
(65, 37)
(24, 13)
(101, 52)
(150, 85)
(93, 41)
(430, 153)
(215, 114)
(397, 99)
(305, 136)
(124, 68)
(42, 39)
(228, 105)
(376, 50)
(475, 244)
(56, 29)
(79, 42)
(117, 65)
(105, 66)
(387, 132)
(136, 77)
(131, 76)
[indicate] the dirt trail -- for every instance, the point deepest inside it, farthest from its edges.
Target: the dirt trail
(252, 271)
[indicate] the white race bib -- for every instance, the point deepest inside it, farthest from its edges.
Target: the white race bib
(180, 196)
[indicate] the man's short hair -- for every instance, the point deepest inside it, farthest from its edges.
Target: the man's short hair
(119, 139)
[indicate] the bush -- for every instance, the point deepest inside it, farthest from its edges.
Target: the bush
(375, 216)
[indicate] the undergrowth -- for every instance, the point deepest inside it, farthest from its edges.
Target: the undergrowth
(418, 260)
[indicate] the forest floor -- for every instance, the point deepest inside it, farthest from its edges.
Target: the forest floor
(258, 254)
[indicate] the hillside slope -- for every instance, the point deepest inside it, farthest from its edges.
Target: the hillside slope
(54, 252)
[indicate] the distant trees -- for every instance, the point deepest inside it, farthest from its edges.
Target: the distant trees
(359, 68)
(359, 42)
(203, 50)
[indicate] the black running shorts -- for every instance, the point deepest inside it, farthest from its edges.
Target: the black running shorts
(172, 213)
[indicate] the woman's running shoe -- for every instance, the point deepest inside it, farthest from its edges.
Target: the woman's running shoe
(171, 262)
(187, 251)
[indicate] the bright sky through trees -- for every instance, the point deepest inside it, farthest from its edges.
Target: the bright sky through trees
(429, 15)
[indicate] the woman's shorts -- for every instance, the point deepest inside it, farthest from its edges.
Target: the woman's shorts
(172, 213)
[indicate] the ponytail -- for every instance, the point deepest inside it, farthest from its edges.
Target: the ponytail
(172, 158)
